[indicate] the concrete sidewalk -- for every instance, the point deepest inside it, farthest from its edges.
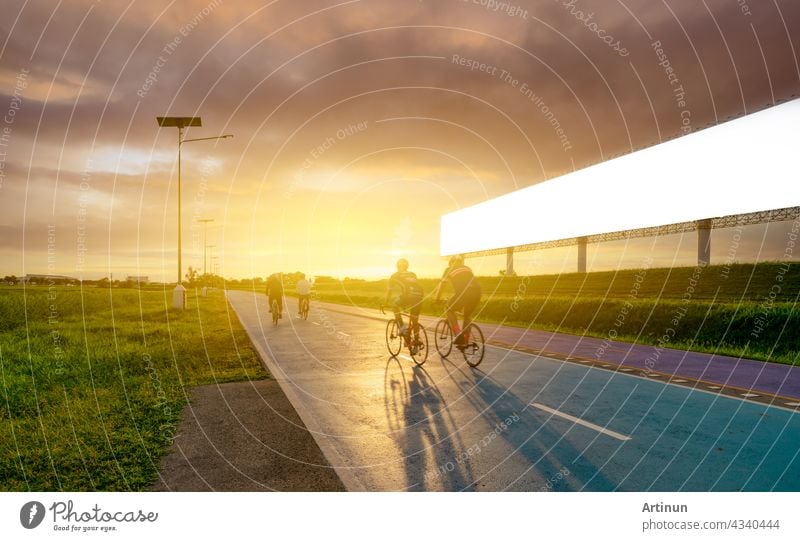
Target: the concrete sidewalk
(759, 381)
(244, 436)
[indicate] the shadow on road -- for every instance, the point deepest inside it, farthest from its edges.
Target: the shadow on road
(423, 429)
(442, 453)
(554, 462)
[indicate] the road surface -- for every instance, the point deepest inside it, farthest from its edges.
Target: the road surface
(521, 421)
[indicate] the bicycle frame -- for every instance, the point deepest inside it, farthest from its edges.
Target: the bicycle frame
(458, 314)
(471, 344)
(415, 338)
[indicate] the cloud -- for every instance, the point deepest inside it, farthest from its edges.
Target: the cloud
(286, 76)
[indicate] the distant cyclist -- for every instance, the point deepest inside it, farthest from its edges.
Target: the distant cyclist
(275, 292)
(303, 289)
(406, 293)
(466, 296)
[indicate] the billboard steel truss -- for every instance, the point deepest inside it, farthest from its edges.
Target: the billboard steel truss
(751, 218)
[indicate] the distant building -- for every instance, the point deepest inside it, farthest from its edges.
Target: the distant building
(47, 279)
(139, 279)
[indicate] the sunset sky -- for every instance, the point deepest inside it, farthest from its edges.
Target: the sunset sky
(356, 124)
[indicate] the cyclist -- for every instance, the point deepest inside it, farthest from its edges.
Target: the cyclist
(275, 292)
(407, 293)
(303, 289)
(466, 296)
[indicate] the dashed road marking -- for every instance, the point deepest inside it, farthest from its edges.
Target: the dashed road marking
(581, 422)
(315, 323)
(749, 395)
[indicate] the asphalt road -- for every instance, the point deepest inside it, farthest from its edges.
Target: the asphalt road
(519, 422)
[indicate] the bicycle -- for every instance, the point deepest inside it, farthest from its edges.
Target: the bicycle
(472, 348)
(415, 339)
(304, 308)
(276, 314)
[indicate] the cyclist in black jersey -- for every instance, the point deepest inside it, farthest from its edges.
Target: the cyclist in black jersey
(466, 296)
(406, 293)
(275, 292)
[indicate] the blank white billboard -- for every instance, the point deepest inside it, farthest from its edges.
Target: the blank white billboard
(746, 165)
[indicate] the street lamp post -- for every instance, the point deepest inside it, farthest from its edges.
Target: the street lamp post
(181, 122)
(211, 252)
(205, 221)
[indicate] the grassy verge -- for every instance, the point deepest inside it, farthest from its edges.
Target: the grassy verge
(93, 381)
(742, 310)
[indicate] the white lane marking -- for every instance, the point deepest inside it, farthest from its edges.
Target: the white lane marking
(581, 422)
(678, 380)
(793, 404)
(315, 323)
(342, 333)
(714, 387)
(627, 369)
(750, 395)
(406, 357)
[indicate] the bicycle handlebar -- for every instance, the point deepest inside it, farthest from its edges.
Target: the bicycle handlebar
(402, 312)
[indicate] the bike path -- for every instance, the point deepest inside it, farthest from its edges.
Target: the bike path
(773, 383)
(520, 422)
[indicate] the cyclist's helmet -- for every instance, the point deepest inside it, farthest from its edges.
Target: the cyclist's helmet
(402, 264)
(456, 260)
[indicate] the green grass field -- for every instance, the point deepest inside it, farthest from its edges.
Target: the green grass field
(740, 310)
(93, 381)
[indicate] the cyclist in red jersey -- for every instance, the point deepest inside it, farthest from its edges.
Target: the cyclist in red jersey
(466, 296)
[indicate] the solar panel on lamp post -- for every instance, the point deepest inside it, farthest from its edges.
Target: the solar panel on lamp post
(182, 122)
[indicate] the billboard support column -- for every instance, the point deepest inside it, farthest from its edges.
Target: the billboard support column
(703, 242)
(510, 262)
(581, 254)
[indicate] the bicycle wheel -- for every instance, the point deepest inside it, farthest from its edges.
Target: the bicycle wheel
(275, 313)
(394, 342)
(475, 348)
(443, 338)
(419, 346)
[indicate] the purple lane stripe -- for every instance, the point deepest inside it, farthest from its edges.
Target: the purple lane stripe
(771, 378)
